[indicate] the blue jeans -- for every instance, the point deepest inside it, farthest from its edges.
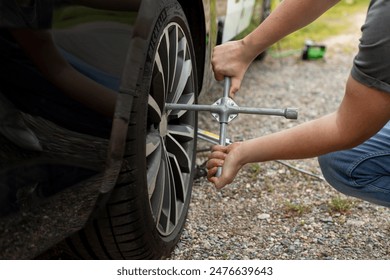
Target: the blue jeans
(364, 171)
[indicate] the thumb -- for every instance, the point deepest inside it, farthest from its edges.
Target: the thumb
(218, 183)
(235, 87)
(218, 76)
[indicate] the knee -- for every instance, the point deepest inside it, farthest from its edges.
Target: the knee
(328, 168)
(334, 170)
(357, 181)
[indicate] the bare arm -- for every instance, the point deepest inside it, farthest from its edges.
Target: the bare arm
(362, 113)
(233, 58)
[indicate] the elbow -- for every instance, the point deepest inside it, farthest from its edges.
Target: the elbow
(352, 137)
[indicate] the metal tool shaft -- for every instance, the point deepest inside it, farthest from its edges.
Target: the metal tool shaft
(224, 109)
(288, 113)
(223, 119)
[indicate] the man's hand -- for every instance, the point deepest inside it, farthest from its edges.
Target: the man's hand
(231, 60)
(229, 159)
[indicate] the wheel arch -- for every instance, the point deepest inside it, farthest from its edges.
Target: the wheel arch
(195, 14)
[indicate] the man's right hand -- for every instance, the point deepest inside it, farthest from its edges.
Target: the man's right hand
(231, 60)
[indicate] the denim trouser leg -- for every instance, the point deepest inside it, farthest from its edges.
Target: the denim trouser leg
(363, 171)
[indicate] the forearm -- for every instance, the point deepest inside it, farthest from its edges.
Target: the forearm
(289, 16)
(307, 140)
(362, 113)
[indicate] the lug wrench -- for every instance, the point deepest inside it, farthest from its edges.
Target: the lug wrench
(224, 110)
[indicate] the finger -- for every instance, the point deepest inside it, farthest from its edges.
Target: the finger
(217, 69)
(217, 155)
(235, 87)
(218, 76)
(219, 148)
(214, 163)
(219, 182)
(211, 173)
(216, 181)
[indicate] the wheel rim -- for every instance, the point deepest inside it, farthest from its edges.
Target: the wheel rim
(170, 140)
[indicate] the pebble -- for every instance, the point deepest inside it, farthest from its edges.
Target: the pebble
(264, 216)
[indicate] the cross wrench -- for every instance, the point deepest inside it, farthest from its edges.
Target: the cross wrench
(225, 110)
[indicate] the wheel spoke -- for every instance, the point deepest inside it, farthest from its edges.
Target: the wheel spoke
(184, 99)
(154, 111)
(188, 98)
(183, 78)
(173, 50)
(166, 209)
(164, 57)
(157, 196)
(179, 153)
(153, 143)
(182, 133)
(179, 187)
(153, 154)
(176, 195)
(159, 80)
(183, 70)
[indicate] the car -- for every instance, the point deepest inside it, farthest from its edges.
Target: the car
(90, 158)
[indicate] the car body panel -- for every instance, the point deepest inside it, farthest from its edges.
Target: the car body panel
(237, 19)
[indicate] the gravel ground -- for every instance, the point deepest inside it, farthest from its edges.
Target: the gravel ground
(272, 211)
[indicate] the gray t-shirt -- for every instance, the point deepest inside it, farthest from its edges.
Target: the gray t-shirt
(371, 65)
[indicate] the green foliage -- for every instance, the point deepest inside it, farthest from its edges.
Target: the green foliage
(340, 205)
(254, 170)
(334, 22)
(294, 209)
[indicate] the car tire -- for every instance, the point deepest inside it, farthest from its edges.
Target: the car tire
(147, 210)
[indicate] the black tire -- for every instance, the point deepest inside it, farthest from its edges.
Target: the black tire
(147, 210)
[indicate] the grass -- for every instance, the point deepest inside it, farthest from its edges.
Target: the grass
(254, 170)
(295, 209)
(334, 22)
(340, 205)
